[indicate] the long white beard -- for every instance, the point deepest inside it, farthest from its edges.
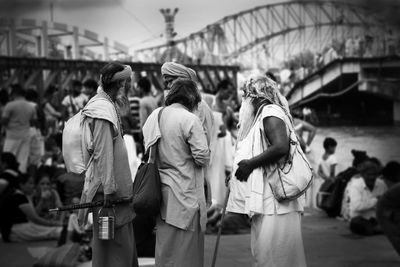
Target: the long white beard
(246, 118)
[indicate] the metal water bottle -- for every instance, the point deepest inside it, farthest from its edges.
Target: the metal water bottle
(106, 222)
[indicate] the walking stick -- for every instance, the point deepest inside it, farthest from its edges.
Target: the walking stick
(90, 204)
(220, 227)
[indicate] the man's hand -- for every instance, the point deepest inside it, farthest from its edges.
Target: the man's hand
(108, 199)
(222, 131)
(244, 170)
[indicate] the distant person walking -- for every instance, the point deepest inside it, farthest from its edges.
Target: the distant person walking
(301, 127)
(17, 117)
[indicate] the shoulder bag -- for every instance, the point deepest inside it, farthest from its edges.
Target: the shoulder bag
(147, 185)
(292, 176)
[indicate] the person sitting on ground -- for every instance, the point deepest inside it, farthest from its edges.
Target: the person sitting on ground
(363, 196)
(45, 197)
(347, 176)
(327, 165)
(75, 232)
(391, 173)
(333, 194)
(325, 171)
(388, 211)
(8, 184)
(23, 222)
(9, 174)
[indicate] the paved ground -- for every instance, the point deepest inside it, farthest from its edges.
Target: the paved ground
(328, 243)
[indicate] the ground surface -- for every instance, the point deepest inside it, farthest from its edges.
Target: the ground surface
(328, 243)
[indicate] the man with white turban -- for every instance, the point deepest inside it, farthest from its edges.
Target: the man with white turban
(170, 72)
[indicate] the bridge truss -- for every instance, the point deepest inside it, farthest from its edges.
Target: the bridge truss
(268, 34)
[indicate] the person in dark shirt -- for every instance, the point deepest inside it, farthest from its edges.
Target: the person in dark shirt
(22, 223)
(9, 174)
(388, 209)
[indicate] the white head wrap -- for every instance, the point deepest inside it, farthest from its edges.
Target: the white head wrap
(123, 74)
(178, 70)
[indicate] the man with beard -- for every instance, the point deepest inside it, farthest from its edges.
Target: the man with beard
(108, 176)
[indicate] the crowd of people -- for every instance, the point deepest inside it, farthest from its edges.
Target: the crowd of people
(206, 143)
(359, 193)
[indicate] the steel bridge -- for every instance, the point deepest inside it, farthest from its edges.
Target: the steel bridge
(39, 73)
(271, 33)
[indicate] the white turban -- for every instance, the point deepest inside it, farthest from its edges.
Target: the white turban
(178, 70)
(123, 74)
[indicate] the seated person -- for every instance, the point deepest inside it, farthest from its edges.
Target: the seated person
(46, 197)
(8, 184)
(10, 173)
(388, 211)
(351, 173)
(327, 165)
(326, 171)
(22, 220)
(75, 232)
(363, 194)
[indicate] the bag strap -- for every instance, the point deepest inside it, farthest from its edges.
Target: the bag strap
(91, 156)
(153, 150)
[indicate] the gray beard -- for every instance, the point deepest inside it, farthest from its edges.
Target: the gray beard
(246, 118)
(122, 102)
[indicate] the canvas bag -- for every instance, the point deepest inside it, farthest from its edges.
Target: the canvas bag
(73, 152)
(147, 185)
(293, 174)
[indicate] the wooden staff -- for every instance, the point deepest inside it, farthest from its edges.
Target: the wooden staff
(94, 204)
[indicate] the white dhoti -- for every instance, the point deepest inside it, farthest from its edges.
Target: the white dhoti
(276, 240)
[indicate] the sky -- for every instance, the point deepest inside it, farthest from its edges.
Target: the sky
(136, 23)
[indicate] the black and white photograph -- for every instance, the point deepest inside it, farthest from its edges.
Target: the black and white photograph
(182, 133)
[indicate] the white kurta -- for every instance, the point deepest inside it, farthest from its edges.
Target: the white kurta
(275, 226)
